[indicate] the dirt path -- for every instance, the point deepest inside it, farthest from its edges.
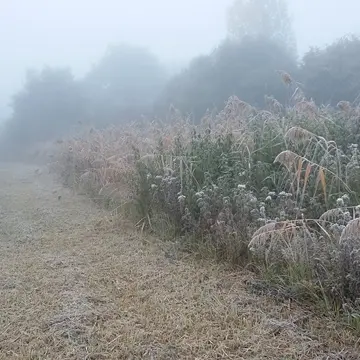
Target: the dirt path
(74, 287)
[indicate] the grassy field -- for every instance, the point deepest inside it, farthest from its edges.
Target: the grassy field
(78, 282)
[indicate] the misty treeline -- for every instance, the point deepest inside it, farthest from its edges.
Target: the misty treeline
(130, 83)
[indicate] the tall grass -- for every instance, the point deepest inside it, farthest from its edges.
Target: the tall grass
(277, 187)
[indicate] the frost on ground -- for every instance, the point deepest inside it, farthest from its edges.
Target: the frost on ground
(77, 284)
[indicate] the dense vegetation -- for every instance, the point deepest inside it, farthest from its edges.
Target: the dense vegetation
(277, 188)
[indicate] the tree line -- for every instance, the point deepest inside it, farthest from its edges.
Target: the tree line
(129, 82)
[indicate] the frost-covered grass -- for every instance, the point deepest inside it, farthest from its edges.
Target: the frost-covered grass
(276, 188)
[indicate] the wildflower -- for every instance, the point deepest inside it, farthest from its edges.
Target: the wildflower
(262, 211)
(181, 198)
(340, 202)
(347, 216)
(252, 199)
(226, 200)
(254, 213)
(346, 198)
(336, 228)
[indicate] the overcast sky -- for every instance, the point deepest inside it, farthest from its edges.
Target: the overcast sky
(76, 32)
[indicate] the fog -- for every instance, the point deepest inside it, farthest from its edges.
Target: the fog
(76, 33)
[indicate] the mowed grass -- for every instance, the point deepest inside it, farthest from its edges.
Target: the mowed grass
(111, 296)
(87, 286)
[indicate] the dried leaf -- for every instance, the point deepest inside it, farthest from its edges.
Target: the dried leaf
(323, 181)
(306, 178)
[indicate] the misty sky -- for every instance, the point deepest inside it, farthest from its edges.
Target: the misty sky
(76, 32)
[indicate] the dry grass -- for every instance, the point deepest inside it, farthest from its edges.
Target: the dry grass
(85, 286)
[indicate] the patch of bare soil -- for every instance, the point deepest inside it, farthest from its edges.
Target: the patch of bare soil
(75, 286)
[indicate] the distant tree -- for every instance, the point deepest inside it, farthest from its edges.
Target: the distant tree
(265, 18)
(246, 69)
(48, 106)
(332, 74)
(192, 90)
(123, 83)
